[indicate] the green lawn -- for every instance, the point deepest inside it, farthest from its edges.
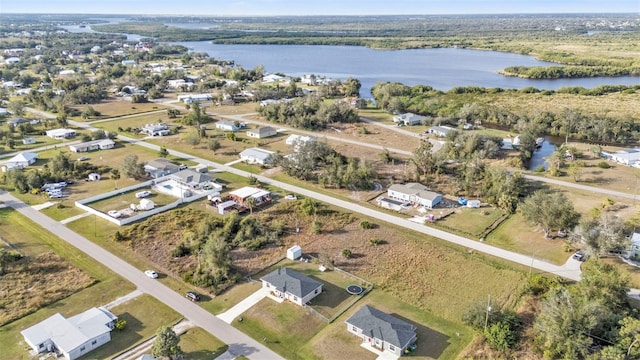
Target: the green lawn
(123, 200)
(470, 221)
(144, 315)
(198, 344)
(517, 235)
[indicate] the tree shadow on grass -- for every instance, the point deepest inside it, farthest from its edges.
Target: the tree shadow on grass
(430, 343)
(131, 333)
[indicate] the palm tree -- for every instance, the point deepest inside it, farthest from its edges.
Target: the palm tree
(250, 202)
(115, 175)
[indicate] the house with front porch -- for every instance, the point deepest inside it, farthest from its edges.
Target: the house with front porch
(20, 161)
(416, 194)
(382, 331)
(291, 285)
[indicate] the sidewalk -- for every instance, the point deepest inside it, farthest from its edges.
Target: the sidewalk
(243, 306)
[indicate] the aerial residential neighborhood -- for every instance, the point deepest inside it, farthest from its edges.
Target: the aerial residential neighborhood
(161, 201)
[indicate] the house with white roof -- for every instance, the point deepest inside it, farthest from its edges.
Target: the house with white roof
(257, 156)
(61, 134)
(627, 157)
(73, 337)
(273, 78)
(414, 193)
(297, 140)
(101, 144)
(20, 161)
(156, 129)
(440, 131)
(261, 195)
(262, 132)
(291, 285)
(408, 119)
(227, 126)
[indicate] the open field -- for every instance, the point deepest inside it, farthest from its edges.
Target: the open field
(144, 315)
(114, 107)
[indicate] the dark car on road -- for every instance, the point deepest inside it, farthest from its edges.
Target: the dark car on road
(192, 296)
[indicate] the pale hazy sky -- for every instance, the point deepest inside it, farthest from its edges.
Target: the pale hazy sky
(316, 7)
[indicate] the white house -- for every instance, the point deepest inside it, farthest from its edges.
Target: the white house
(415, 194)
(440, 131)
(408, 119)
(291, 285)
(192, 98)
(256, 156)
(73, 337)
(20, 161)
(66, 72)
(101, 144)
(272, 78)
(28, 141)
(194, 180)
(156, 129)
(261, 195)
(60, 134)
(627, 157)
(381, 330)
(227, 126)
(262, 132)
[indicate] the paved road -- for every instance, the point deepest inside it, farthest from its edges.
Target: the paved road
(570, 270)
(239, 343)
(583, 187)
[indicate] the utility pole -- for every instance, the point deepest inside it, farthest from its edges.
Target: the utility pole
(486, 319)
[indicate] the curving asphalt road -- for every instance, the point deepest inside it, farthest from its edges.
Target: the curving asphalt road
(239, 343)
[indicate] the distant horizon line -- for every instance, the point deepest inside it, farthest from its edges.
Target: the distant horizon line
(328, 15)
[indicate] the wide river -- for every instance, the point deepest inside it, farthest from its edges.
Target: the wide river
(442, 69)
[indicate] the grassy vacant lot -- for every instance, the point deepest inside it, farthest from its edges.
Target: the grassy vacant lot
(118, 107)
(144, 315)
(471, 222)
(32, 240)
(135, 122)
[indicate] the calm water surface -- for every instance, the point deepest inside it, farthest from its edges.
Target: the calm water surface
(441, 68)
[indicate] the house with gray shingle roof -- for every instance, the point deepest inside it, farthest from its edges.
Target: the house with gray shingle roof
(291, 285)
(192, 179)
(381, 330)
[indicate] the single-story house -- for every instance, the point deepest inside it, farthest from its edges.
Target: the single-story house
(291, 285)
(227, 126)
(160, 167)
(194, 98)
(101, 144)
(17, 121)
(381, 330)
(73, 337)
(157, 129)
(627, 157)
(194, 180)
(262, 132)
(261, 195)
(298, 140)
(440, 131)
(256, 156)
(272, 78)
(390, 203)
(20, 161)
(415, 194)
(60, 134)
(408, 119)
(28, 141)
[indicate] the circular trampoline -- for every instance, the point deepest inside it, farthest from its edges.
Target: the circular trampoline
(355, 289)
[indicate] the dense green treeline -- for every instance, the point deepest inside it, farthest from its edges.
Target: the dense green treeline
(469, 104)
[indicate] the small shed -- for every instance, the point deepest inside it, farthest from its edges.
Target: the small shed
(226, 206)
(294, 252)
(146, 204)
(94, 177)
